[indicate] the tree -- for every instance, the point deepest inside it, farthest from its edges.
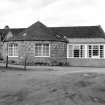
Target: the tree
(4, 35)
(25, 55)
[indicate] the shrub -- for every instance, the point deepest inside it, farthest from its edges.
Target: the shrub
(56, 63)
(1, 59)
(42, 63)
(12, 62)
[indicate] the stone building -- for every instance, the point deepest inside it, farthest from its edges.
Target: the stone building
(39, 44)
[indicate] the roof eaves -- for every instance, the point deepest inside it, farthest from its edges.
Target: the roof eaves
(102, 31)
(36, 40)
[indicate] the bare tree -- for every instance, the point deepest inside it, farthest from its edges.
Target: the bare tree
(4, 38)
(25, 62)
(25, 53)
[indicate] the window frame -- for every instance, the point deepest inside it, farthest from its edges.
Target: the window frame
(73, 45)
(86, 51)
(42, 46)
(96, 57)
(13, 50)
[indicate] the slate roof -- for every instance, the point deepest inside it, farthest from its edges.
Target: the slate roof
(37, 32)
(40, 32)
(15, 32)
(80, 31)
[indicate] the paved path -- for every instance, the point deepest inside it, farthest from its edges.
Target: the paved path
(58, 68)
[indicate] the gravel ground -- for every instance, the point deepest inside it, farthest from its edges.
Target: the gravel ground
(53, 86)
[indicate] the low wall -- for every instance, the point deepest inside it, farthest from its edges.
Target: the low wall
(86, 62)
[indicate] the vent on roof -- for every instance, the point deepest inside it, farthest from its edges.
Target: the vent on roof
(58, 36)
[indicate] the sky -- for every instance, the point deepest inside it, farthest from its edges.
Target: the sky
(23, 13)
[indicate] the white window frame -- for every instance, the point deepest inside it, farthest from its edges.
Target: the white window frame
(13, 51)
(96, 57)
(86, 51)
(42, 49)
(73, 52)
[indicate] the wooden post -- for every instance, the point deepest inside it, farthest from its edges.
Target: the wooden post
(7, 57)
(7, 61)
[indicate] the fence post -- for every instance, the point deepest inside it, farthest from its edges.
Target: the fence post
(7, 57)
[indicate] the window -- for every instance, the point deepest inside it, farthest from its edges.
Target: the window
(96, 51)
(101, 51)
(85, 51)
(38, 50)
(89, 51)
(13, 50)
(70, 51)
(42, 50)
(45, 49)
(76, 51)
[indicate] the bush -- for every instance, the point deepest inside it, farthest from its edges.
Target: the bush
(32, 63)
(1, 59)
(56, 63)
(42, 63)
(12, 62)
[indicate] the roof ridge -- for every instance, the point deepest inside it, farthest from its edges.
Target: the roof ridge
(37, 31)
(75, 26)
(56, 26)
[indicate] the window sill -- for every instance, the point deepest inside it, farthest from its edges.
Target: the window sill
(83, 58)
(13, 56)
(42, 56)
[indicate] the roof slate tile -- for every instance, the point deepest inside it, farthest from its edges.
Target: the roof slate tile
(40, 32)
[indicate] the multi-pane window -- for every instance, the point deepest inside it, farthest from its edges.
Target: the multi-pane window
(76, 51)
(45, 49)
(13, 50)
(38, 50)
(101, 51)
(96, 51)
(70, 51)
(85, 51)
(42, 50)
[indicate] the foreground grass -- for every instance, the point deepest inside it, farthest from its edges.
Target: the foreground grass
(50, 88)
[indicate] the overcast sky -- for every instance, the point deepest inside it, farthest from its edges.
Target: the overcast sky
(22, 13)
